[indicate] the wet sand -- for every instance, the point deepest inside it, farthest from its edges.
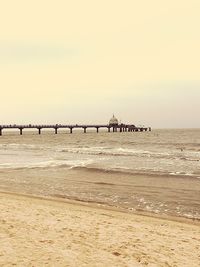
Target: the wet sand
(44, 232)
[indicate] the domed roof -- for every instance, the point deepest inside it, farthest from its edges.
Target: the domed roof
(113, 121)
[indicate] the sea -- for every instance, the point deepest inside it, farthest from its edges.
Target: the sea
(155, 172)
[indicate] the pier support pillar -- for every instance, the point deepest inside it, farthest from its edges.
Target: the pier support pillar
(120, 129)
(39, 130)
(20, 131)
(0, 131)
(71, 130)
(149, 129)
(97, 129)
(109, 129)
(56, 130)
(84, 129)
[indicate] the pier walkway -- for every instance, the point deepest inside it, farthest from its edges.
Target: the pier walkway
(56, 127)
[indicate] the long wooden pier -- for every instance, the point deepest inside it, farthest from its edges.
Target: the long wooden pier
(56, 127)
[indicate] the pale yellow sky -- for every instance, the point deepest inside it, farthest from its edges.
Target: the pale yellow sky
(79, 61)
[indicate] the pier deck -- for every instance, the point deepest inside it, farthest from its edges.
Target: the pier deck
(56, 127)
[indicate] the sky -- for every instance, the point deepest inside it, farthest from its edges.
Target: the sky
(81, 61)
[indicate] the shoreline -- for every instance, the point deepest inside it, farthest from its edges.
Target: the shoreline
(104, 206)
(38, 231)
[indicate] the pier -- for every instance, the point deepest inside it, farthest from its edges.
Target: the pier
(109, 127)
(113, 126)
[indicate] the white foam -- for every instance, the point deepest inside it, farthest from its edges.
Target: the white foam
(48, 163)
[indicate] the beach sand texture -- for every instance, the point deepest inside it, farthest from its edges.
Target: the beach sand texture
(40, 232)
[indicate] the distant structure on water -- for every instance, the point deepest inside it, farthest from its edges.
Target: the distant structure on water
(113, 121)
(113, 124)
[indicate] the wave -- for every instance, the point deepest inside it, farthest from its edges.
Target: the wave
(84, 167)
(127, 152)
(181, 154)
(70, 164)
(24, 147)
(129, 171)
(108, 151)
(88, 165)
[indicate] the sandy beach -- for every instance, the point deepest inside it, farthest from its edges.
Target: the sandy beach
(42, 232)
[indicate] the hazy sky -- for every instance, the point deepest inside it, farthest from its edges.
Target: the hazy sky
(81, 61)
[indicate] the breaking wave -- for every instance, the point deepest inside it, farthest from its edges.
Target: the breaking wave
(107, 151)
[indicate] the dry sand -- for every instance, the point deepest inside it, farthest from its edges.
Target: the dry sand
(38, 232)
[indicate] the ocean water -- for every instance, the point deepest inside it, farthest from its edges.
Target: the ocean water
(157, 172)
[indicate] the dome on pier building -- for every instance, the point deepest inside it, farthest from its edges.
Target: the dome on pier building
(113, 121)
